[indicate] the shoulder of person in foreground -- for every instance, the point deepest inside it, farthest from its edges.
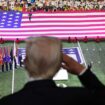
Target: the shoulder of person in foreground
(6, 100)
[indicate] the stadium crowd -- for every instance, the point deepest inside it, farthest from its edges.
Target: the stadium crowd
(51, 5)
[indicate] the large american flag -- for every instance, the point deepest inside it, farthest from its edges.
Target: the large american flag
(58, 24)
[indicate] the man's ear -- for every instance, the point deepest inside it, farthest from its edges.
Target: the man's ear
(25, 60)
(29, 40)
(26, 64)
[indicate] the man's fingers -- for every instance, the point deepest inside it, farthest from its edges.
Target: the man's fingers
(66, 58)
(65, 66)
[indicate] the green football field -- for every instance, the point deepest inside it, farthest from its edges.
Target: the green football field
(93, 53)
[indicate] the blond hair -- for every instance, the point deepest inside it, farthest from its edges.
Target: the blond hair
(43, 56)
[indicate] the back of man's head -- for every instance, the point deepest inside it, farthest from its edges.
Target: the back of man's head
(43, 57)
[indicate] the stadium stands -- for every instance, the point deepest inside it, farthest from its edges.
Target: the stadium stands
(52, 5)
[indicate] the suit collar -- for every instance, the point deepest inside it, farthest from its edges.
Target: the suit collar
(40, 84)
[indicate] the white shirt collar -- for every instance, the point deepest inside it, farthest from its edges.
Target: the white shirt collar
(35, 79)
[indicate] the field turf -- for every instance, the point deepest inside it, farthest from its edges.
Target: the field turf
(93, 52)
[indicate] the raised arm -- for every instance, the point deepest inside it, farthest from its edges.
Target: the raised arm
(87, 78)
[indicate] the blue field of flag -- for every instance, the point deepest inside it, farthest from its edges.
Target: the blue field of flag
(10, 19)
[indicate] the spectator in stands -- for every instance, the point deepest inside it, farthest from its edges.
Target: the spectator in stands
(103, 5)
(43, 60)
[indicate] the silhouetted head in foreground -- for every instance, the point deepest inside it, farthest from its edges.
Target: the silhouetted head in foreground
(43, 57)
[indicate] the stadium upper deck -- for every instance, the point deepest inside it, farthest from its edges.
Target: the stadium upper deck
(52, 5)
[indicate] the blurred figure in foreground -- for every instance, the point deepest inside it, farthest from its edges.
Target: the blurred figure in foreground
(43, 60)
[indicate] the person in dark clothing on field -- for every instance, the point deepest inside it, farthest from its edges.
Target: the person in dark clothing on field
(20, 60)
(30, 15)
(12, 58)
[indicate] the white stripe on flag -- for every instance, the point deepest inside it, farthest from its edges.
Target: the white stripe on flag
(49, 28)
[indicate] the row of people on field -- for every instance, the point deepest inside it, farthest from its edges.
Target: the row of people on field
(7, 58)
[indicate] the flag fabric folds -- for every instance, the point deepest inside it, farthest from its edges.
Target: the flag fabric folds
(58, 24)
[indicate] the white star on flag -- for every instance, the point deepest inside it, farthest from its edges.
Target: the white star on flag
(5, 13)
(3, 20)
(15, 26)
(9, 18)
(1, 26)
(17, 17)
(2, 23)
(17, 13)
(9, 21)
(8, 24)
(15, 23)
(4, 16)
(11, 15)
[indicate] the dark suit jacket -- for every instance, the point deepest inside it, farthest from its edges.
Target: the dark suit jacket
(45, 92)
